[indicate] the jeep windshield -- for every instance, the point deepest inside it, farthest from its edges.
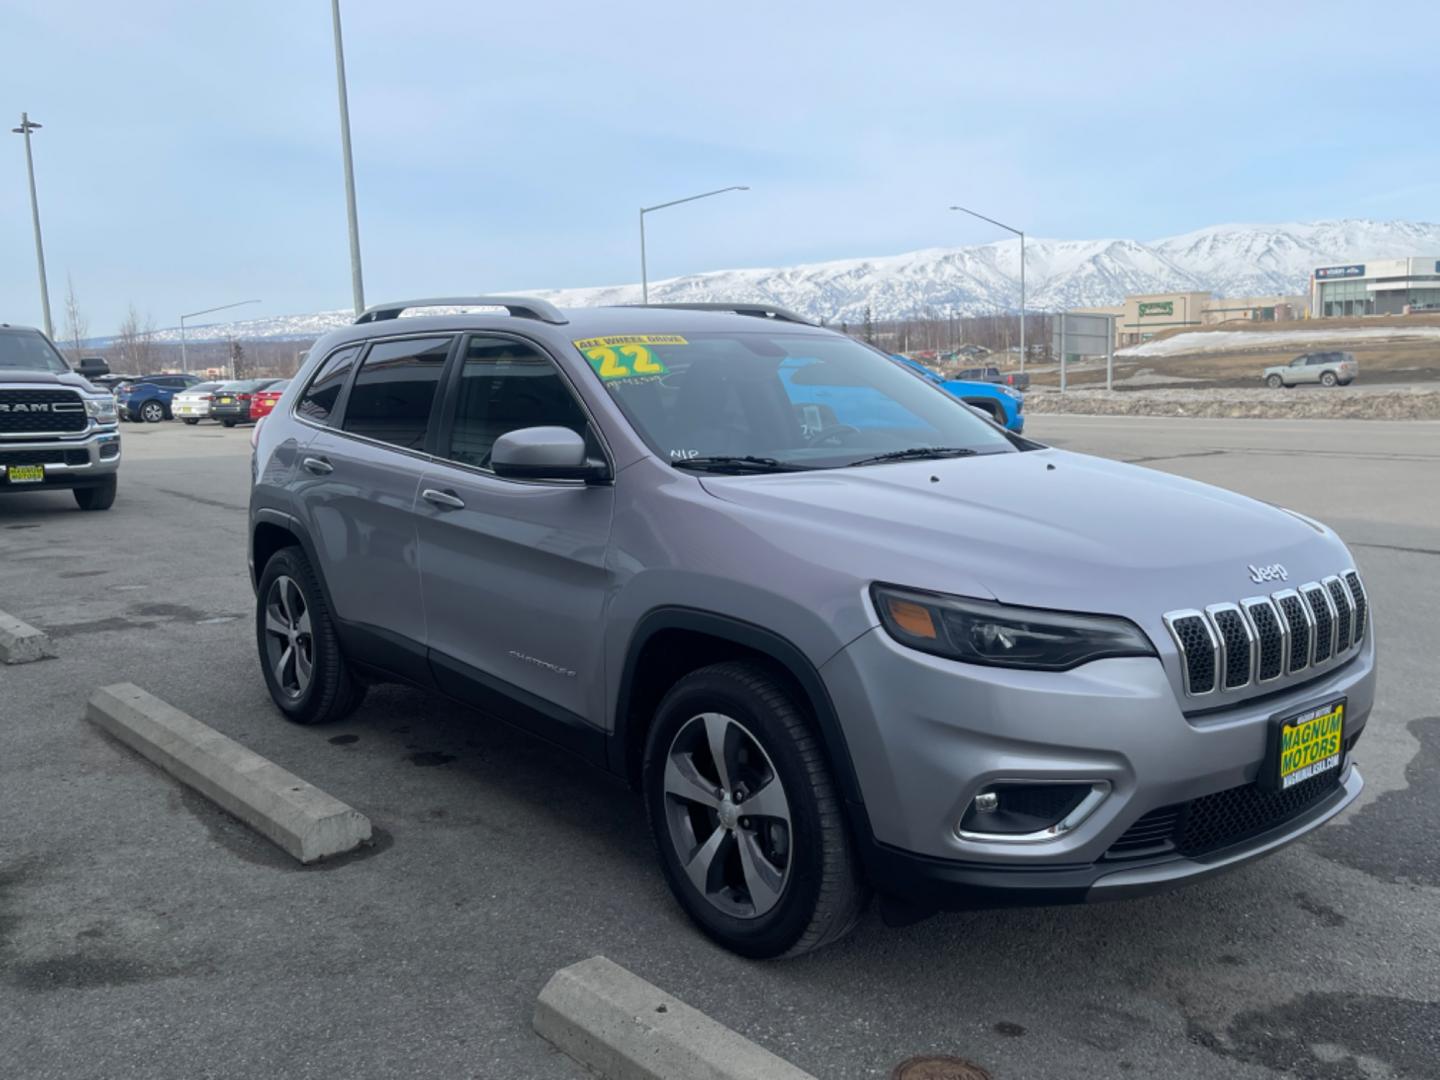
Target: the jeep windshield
(27, 350)
(777, 402)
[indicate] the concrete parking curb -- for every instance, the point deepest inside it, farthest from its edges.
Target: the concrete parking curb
(623, 1028)
(20, 643)
(299, 817)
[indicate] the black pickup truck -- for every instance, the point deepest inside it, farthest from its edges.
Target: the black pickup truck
(57, 430)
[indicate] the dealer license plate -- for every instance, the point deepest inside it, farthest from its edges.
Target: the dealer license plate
(27, 474)
(224, 400)
(1307, 744)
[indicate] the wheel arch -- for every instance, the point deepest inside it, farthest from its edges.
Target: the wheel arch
(668, 643)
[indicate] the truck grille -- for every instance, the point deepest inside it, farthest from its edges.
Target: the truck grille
(57, 456)
(29, 412)
(1262, 638)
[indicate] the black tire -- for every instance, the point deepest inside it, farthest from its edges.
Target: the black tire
(228, 423)
(96, 497)
(823, 894)
(1327, 378)
(152, 412)
(191, 421)
(1275, 382)
(332, 691)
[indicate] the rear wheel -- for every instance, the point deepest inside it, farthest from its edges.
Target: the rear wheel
(152, 412)
(1275, 382)
(307, 674)
(191, 421)
(228, 423)
(98, 496)
(746, 817)
(1327, 378)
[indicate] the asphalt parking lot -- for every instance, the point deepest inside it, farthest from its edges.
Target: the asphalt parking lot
(143, 933)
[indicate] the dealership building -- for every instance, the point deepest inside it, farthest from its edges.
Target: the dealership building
(1376, 287)
(1140, 318)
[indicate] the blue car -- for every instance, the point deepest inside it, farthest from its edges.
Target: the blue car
(1005, 406)
(148, 397)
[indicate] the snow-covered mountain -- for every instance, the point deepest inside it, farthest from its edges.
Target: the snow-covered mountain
(1229, 260)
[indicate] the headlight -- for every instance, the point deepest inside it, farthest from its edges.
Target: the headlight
(101, 408)
(983, 632)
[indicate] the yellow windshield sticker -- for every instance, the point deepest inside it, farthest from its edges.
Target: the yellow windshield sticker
(630, 339)
(627, 356)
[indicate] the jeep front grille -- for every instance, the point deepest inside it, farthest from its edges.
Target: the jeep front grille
(1262, 638)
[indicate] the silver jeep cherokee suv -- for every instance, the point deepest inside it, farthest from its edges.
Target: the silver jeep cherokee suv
(842, 633)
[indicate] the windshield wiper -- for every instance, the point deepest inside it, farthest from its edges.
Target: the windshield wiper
(915, 453)
(736, 463)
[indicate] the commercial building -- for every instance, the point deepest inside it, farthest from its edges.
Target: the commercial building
(1376, 287)
(1141, 317)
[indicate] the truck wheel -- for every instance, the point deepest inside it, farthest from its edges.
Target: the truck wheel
(751, 836)
(308, 676)
(1327, 378)
(98, 497)
(1275, 382)
(152, 412)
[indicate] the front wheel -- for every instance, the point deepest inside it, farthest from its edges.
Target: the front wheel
(307, 674)
(1275, 382)
(98, 496)
(1327, 378)
(751, 836)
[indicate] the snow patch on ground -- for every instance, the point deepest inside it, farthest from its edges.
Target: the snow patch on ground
(1215, 341)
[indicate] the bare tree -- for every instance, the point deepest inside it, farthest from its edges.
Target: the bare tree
(136, 342)
(239, 362)
(77, 327)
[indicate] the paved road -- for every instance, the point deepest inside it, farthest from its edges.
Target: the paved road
(145, 934)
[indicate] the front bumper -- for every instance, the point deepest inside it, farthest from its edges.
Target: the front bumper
(926, 735)
(69, 463)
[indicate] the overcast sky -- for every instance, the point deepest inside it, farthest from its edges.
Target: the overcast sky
(191, 155)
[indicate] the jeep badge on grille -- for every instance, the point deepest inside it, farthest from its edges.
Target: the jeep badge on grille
(1273, 572)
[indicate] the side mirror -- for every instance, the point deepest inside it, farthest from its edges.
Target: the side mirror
(545, 453)
(92, 366)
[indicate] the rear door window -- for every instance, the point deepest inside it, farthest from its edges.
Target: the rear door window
(323, 394)
(394, 391)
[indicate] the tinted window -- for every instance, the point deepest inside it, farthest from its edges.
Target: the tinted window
(394, 391)
(504, 386)
(319, 400)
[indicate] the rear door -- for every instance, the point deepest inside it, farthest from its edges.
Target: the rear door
(357, 484)
(513, 572)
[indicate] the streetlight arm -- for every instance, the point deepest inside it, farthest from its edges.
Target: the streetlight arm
(222, 307)
(692, 198)
(991, 220)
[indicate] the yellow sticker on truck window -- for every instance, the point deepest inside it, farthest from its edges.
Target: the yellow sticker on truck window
(627, 356)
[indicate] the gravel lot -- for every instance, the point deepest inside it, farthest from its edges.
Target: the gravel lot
(145, 934)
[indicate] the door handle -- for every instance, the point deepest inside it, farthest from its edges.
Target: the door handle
(445, 500)
(317, 465)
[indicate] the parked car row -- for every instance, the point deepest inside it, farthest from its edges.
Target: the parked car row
(153, 398)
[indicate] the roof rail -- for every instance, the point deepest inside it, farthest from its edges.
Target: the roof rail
(522, 307)
(761, 311)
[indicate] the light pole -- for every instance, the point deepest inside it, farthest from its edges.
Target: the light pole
(357, 283)
(26, 126)
(644, 276)
(1021, 235)
(184, 362)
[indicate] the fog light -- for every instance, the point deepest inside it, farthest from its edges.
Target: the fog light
(1028, 812)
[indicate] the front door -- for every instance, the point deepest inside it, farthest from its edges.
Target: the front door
(513, 572)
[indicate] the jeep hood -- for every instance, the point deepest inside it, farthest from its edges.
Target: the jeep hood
(1043, 528)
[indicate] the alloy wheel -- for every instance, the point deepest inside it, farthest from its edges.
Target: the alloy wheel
(289, 643)
(728, 816)
(152, 412)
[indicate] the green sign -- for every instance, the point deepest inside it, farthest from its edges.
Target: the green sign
(1158, 307)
